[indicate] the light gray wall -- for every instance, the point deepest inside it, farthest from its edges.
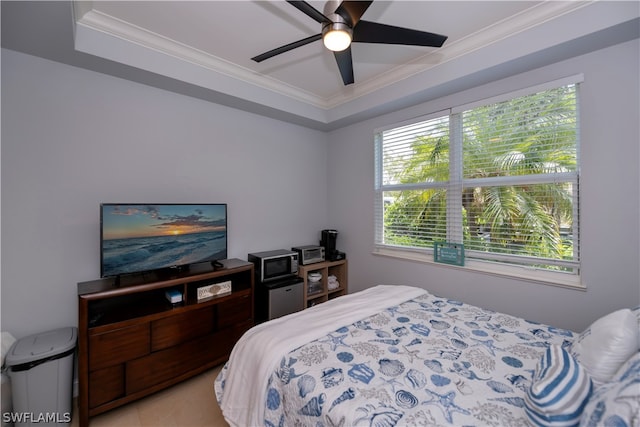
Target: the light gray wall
(609, 200)
(72, 139)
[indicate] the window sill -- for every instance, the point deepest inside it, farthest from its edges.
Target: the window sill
(528, 274)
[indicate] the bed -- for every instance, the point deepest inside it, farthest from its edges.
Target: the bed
(399, 356)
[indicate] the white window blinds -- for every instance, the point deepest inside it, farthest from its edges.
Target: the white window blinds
(500, 177)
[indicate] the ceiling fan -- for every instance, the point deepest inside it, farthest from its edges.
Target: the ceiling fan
(344, 26)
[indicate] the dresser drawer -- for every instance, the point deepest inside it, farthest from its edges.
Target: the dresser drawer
(167, 364)
(106, 385)
(117, 346)
(234, 311)
(177, 329)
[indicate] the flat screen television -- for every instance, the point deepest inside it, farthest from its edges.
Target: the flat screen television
(137, 238)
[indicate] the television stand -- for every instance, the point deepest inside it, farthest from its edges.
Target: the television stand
(133, 342)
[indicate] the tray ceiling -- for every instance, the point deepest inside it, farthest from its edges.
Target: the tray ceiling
(203, 48)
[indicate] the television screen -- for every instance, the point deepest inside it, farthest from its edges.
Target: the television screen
(144, 237)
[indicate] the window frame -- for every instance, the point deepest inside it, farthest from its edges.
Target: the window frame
(494, 266)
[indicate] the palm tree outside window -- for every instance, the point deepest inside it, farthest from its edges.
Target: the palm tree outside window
(499, 176)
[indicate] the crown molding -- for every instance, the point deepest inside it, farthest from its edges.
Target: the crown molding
(95, 20)
(92, 19)
(548, 31)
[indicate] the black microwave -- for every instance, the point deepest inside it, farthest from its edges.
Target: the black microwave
(278, 264)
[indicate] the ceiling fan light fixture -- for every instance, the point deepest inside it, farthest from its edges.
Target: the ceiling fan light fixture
(336, 36)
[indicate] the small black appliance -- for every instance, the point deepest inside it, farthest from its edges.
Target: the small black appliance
(328, 240)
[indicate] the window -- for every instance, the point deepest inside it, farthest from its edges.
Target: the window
(499, 176)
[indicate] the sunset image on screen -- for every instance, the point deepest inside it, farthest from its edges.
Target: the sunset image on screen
(147, 237)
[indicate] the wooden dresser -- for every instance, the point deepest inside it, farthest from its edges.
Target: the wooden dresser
(132, 341)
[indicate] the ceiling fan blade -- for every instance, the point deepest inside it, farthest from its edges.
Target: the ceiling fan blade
(345, 65)
(309, 10)
(286, 48)
(372, 32)
(352, 11)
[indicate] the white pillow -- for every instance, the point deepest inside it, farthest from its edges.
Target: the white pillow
(605, 345)
(559, 391)
(616, 403)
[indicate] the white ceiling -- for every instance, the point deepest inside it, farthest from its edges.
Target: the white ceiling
(206, 46)
(230, 33)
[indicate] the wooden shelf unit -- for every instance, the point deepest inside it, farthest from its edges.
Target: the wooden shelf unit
(326, 269)
(133, 342)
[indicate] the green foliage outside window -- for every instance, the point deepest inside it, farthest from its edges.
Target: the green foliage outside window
(516, 194)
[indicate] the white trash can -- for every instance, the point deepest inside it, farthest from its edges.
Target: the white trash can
(41, 370)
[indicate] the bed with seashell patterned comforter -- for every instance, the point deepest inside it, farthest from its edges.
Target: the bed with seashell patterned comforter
(425, 361)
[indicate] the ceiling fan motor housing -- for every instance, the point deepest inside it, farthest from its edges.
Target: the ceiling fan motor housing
(337, 24)
(330, 7)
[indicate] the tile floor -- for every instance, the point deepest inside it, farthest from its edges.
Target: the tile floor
(191, 403)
